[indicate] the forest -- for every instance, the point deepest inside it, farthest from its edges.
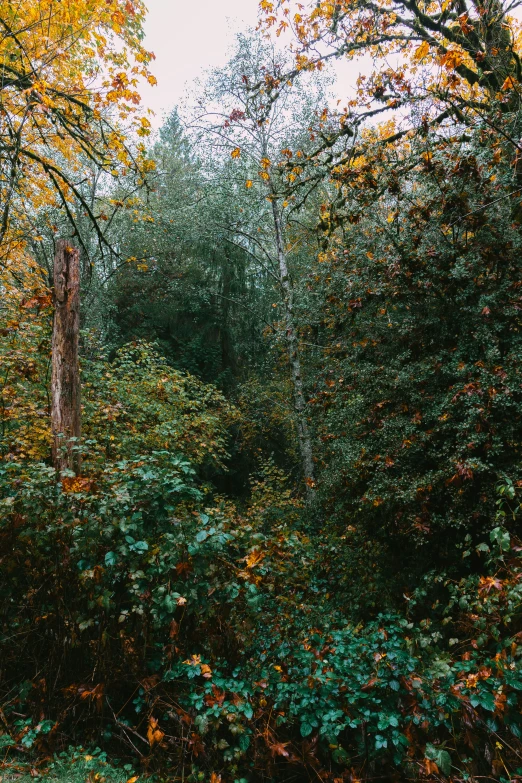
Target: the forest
(260, 390)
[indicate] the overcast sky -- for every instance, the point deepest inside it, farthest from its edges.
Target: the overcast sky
(188, 36)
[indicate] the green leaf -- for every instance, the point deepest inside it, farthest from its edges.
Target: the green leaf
(110, 558)
(500, 536)
(441, 758)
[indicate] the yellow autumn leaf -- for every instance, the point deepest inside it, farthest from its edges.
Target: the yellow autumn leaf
(248, 183)
(145, 127)
(236, 153)
(421, 51)
(194, 660)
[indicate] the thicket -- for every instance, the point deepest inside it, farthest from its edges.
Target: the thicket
(196, 604)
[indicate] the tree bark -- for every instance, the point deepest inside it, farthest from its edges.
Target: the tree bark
(303, 431)
(65, 377)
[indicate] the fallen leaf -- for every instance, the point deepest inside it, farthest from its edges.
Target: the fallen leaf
(279, 749)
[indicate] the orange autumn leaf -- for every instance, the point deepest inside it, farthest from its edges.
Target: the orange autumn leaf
(236, 153)
(154, 733)
(500, 702)
(76, 484)
(254, 558)
(509, 84)
(451, 60)
(95, 695)
(194, 660)
(488, 583)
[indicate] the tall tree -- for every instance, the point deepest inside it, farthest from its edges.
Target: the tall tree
(185, 285)
(235, 114)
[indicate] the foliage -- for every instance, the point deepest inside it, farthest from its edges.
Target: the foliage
(69, 81)
(24, 359)
(182, 606)
(417, 395)
(438, 64)
(138, 404)
(76, 765)
(226, 648)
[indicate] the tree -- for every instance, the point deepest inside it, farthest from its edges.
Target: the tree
(65, 378)
(234, 114)
(70, 73)
(454, 65)
(184, 284)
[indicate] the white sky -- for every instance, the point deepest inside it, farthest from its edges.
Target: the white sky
(189, 36)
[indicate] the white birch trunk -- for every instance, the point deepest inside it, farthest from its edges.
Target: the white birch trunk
(303, 431)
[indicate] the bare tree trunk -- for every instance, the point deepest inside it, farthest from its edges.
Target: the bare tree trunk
(303, 432)
(65, 377)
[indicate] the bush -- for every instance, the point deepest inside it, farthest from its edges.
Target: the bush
(139, 614)
(76, 765)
